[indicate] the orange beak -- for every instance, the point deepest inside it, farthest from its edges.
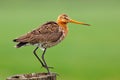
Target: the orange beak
(76, 22)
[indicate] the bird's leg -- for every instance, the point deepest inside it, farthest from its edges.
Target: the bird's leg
(45, 61)
(38, 57)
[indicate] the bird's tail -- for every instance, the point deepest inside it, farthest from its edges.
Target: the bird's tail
(20, 44)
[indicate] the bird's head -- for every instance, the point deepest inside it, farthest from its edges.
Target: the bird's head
(64, 19)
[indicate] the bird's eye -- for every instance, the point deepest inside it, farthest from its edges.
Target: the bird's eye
(66, 18)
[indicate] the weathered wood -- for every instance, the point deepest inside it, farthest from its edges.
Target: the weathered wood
(33, 76)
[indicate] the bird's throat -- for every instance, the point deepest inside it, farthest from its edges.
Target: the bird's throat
(64, 27)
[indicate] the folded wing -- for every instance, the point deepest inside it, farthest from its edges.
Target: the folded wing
(48, 32)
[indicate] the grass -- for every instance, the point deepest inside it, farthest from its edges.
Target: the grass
(87, 53)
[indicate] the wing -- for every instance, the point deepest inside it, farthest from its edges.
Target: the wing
(48, 32)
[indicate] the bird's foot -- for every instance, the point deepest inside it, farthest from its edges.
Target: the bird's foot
(47, 67)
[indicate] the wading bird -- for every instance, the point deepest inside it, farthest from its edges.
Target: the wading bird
(46, 36)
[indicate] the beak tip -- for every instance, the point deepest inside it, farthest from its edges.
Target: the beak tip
(87, 24)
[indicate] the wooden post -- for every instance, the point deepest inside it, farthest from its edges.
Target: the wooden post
(33, 76)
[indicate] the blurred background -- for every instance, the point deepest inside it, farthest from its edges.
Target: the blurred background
(87, 53)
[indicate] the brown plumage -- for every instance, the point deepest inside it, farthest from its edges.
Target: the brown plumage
(47, 35)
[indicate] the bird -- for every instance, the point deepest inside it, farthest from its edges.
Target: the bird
(46, 36)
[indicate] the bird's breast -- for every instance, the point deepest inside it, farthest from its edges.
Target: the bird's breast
(64, 28)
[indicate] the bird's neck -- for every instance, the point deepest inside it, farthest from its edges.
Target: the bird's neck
(63, 26)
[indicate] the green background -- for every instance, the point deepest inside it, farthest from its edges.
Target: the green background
(87, 53)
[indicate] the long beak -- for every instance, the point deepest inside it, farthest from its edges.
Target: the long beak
(76, 22)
